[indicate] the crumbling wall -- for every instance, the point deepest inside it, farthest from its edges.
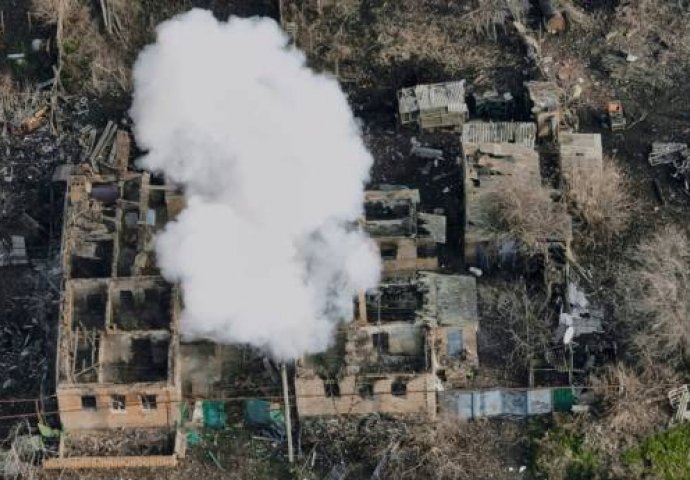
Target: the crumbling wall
(75, 416)
(407, 238)
(75, 461)
(456, 355)
(118, 352)
(420, 396)
(402, 255)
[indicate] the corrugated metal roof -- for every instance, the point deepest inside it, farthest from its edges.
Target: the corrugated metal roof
(421, 98)
(493, 403)
(520, 133)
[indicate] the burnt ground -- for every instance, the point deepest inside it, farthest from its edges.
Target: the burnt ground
(31, 207)
(438, 181)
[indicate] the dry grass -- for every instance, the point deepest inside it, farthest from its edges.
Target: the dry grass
(7, 85)
(371, 40)
(658, 32)
(633, 407)
(492, 16)
(519, 209)
(452, 449)
(90, 59)
(602, 202)
(655, 288)
(634, 401)
(414, 447)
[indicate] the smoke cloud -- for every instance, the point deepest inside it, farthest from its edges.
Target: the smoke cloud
(273, 168)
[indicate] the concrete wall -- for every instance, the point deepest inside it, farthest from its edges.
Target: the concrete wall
(580, 153)
(406, 260)
(420, 397)
(74, 417)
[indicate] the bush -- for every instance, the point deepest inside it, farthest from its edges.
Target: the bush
(655, 288)
(664, 456)
(601, 201)
(89, 60)
(566, 453)
(521, 210)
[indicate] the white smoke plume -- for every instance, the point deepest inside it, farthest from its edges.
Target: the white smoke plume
(273, 168)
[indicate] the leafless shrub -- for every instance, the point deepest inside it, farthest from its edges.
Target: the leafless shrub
(517, 321)
(601, 200)
(19, 461)
(521, 210)
(414, 448)
(47, 11)
(634, 407)
(634, 400)
(453, 449)
(7, 86)
(655, 288)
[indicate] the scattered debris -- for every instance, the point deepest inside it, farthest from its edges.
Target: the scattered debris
(616, 117)
(19, 461)
(676, 156)
(679, 399)
(553, 19)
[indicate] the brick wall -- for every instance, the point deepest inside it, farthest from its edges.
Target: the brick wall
(74, 417)
(419, 399)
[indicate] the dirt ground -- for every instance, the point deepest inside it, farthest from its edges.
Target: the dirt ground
(634, 51)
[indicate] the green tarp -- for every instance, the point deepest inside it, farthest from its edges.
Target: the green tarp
(214, 414)
(563, 399)
(259, 413)
(193, 438)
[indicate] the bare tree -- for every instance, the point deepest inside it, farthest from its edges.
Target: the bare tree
(518, 320)
(655, 289)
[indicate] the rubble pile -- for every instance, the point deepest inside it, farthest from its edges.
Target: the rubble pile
(383, 448)
(130, 442)
(28, 158)
(23, 334)
(333, 440)
(39, 136)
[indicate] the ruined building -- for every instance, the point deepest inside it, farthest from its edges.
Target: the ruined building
(580, 152)
(118, 363)
(409, 339)
(407, 238)
(489, 168)
(544, 100)
(434, 106)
